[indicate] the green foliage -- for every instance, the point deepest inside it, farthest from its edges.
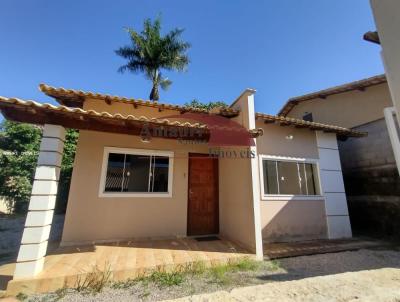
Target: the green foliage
(19, 149)
(167, 279)
(206, 106)
(220, 273)
(273, 265)
(19, 146)
(150, 52)
(21, 296)
(71, 139)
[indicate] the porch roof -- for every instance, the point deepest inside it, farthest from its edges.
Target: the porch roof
(287, 121)
(36, 113)
(75, 98)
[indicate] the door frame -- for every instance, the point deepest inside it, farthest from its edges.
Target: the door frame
(216, 209)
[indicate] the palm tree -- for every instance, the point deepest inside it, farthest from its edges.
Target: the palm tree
(150, 52)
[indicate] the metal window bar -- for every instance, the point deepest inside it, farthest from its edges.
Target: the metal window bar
(305, 175)
(277, 177)
(123, 174)
(149, 182)
(152, 174)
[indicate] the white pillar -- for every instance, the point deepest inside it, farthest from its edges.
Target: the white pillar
(394, 135)
(255, 180)
(33, 247)
(337, 214)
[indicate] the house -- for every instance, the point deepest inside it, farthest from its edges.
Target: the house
(148, 170)
(369, 166)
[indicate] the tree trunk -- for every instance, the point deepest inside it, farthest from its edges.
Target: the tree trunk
(154, 95)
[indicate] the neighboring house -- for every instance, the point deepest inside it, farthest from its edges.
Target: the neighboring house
(369, 166)
(143, 170)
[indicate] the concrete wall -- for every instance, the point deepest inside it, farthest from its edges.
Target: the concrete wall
(371, 180)
(347, 109)
(292, 219)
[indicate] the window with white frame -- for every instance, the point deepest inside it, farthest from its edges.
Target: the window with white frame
(136, 172)
(289, 177)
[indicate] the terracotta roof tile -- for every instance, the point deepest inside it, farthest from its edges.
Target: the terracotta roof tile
(287, 121)
(62, 108)
(75, 98)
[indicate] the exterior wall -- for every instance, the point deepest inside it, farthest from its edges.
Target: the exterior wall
(239, 188)
(371, 180)
(344, 109)
(293, 220)
(290, 220)
(92, 218)
(274, 142)
(369, 168)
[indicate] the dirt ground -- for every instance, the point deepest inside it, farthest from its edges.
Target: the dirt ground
(365, 275)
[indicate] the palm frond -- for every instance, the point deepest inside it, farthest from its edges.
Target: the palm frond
(165, 83)
(150, 52)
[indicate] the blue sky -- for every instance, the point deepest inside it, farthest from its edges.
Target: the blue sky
(282, 48)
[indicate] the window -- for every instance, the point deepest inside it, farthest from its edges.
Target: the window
(289, 177)
(140, 173)
(308, 116)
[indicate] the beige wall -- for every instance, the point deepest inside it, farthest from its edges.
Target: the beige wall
(239, 204)
(293, 220)
(90, 217)
(274, 142)
(236, 204)
(286, 220)
(347, 109)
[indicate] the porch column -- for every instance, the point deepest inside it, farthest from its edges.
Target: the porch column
(42, 203)
(337, 215)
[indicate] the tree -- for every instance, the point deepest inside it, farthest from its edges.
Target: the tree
(150, 52)
(19, 149)
(207, 106)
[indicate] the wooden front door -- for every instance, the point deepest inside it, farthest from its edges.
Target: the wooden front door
(203, 217)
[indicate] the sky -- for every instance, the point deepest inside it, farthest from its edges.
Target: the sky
(281, 48)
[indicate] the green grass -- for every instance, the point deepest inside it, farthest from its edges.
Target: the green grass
(221, 273)
(217, 273)
(273, 265)
(167, 279)
(21, 296)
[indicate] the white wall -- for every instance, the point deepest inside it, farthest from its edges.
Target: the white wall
(332, 185)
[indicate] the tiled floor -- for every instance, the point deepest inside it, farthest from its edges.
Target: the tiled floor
(124, 259)
(293, 249)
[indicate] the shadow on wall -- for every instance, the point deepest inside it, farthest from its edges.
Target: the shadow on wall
(293, 220)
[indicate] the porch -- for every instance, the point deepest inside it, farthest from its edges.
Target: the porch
(63, 266)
